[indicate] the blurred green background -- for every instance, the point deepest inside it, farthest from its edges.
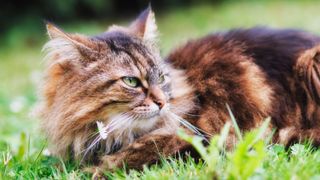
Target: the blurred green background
(23, 35)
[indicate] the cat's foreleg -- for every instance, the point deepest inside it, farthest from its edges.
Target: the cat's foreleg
(289, 136)
(145, 151)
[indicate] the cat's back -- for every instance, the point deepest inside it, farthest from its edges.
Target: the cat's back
(274, 51)
(268, 47)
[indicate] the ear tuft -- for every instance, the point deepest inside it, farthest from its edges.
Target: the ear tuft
(151, 29)
(145, 25)
(70, 46)
(55, 32)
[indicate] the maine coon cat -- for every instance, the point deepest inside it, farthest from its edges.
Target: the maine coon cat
(139, 99)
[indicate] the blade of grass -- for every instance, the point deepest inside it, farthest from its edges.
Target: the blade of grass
(234, 121)
(224, 135)
(39, 154)
(262, 130)
(196, 141)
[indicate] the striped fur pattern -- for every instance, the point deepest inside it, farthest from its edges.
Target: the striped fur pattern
(84, 84)
(258, 72)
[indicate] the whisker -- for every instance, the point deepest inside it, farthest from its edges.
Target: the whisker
(112, 125)
(91, 135)
(95, 141)
(182, 112)
(195, 127)
(185, 122)
(126, 123)
(189, 126)
(115, 122)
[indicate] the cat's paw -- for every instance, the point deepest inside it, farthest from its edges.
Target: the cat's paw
(111, 162)
(108, 163)
(97, 173)
(287, 135)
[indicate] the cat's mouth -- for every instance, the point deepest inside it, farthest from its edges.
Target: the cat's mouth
(148, 114)
(145, 113)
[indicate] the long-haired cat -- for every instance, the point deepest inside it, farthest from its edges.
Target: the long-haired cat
(119, 81)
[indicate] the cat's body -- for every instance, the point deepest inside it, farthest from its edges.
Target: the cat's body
(255, 72)
(119, 78)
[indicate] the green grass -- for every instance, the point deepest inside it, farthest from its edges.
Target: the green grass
(22, 145)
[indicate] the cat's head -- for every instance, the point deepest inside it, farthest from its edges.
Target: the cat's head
(117, 77)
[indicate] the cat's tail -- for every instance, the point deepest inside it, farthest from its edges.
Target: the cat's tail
(307, 71)
(307, 77)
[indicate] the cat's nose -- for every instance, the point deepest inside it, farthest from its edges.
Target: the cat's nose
(160, 103)
(158, 96)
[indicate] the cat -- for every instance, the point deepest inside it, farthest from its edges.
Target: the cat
(117, 82)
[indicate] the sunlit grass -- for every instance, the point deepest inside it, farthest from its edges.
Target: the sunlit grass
(21, 143)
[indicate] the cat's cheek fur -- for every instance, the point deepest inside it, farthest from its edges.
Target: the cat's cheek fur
(182, 92)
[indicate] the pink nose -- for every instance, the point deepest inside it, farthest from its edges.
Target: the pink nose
(160, 103)
(157, 96)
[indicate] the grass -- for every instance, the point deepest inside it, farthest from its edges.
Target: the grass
(22, 146)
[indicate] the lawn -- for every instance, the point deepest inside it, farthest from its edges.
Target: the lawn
(23, 147)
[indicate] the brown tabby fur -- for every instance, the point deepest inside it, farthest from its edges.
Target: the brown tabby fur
(259, 72)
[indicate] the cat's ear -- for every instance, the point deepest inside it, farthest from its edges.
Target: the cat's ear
(145, 25)
(75, 43)
(55, 32)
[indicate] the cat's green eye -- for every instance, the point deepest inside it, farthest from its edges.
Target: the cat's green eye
(161, 79)
(131, 81)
